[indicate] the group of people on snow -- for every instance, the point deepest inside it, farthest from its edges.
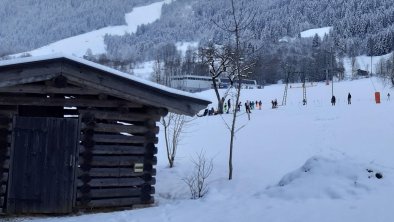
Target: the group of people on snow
(251, 105)
(274, 104)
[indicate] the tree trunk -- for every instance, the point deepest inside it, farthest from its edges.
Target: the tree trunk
(220, 101)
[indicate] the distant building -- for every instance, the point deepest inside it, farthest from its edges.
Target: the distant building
(192, 83)
(246, 83)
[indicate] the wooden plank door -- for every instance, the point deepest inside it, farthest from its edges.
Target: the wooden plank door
(43, 165)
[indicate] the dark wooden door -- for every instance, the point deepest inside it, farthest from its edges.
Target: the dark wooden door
(43, 165)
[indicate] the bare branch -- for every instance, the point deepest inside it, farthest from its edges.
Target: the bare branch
(197, 181)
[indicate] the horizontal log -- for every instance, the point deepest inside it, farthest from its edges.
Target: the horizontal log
(6, 164)
(2, 190)
(119, 128)
(6, 152)
(122, 161)
(43, 89)
(39, 101)
(108, 138)
(116, 149)
(8, 113)
(4, 178)
(114, 192)
(5, 120)
(116, 182)
(130, 116)
(116, 202)
(6, 126)
(115, 172)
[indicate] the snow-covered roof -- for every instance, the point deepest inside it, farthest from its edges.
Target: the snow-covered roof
(157, 87)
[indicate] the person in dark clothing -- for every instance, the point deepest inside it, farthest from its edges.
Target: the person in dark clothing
(228, 105)
(349, 99)
(204, 114)
(211, 111)
(260, 104)
(333, 100)
(304, 102)
(247, 107)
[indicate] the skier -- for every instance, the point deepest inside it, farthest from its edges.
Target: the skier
(304, 102)
(388, 96)
(349, 99)
(260, 104)
(228, 105)
(247, 108)
(333, 100)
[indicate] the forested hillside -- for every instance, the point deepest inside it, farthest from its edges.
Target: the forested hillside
(29, 24)
(359, 27)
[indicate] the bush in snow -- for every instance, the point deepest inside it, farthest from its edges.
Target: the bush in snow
(197, 181)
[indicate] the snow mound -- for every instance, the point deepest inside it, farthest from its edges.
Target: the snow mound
(321, 177)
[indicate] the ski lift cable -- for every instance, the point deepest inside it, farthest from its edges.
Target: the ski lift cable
(373, 85)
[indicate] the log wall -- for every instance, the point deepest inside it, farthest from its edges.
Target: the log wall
(117, 155)
(6, 114)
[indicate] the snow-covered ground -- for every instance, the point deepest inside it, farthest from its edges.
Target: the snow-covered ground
(312, 32)
(295, 163)
(78, 45)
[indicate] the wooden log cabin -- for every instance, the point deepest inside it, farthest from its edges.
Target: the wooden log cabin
(75, 135)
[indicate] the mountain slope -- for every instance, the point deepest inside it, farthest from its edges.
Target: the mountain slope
(94, 40)
(359, 26)
(30, 24)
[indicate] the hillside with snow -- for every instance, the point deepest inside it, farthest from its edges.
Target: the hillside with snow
(295, 163)
(78, 45)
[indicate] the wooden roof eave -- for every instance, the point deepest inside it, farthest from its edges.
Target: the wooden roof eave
(109, 83)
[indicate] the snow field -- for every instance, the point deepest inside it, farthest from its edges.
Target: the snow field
(295, 163)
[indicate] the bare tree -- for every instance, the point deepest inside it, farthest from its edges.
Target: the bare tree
(218, 59)
(236, 25)
(157, 75)
(174, 126)
(197, 181)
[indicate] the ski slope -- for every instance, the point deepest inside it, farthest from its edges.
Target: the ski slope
(78, 45)
(294, 163)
